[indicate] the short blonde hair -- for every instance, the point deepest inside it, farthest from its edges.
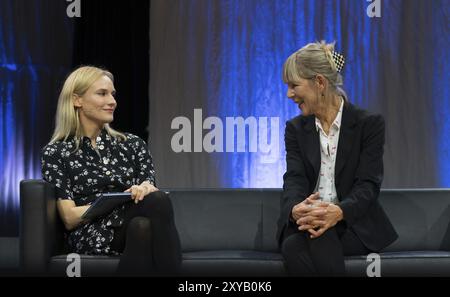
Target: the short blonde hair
(311, 60)
(67, 121)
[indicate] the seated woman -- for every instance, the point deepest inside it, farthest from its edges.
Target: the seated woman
(334, 170)
(86, 157)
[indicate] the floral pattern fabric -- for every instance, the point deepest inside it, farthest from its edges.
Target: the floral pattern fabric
(82, 175)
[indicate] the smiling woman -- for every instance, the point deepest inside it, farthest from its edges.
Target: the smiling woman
(86, 158)
(334, 170)
(301, 76)
(97, 105)
(83, 105)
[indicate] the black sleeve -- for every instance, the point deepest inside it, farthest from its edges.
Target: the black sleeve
(295, 181)
(369, 174)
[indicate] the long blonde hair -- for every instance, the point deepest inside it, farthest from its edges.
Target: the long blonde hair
(67, 121)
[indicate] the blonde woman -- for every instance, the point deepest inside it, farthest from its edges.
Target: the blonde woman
(334, 158)
(86, 157)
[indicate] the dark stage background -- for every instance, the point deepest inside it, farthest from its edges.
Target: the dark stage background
(39, 46)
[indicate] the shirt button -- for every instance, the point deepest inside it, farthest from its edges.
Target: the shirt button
(99, 138)
(108, 172)
(101, 147)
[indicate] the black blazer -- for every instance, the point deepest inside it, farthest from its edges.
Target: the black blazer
(358, 173)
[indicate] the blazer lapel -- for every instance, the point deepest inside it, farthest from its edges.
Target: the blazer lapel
(311, 143)
(345, 138)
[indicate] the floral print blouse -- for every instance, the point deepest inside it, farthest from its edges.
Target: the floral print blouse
(84, 174)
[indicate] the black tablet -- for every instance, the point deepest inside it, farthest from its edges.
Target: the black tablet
(105, 204)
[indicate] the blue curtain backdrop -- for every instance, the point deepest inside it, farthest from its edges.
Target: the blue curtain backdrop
(225, 57)
(35, 54)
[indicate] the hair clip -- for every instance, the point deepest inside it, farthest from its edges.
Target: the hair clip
(339, 60)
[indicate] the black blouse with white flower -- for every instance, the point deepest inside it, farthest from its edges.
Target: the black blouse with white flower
(84, 174)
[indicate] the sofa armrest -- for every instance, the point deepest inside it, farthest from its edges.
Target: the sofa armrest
(41, 235)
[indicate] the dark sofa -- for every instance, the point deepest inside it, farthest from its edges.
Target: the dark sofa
(232, 233)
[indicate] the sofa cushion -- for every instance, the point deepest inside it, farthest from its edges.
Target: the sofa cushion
(90, 265)
(227, 219)
(232, 263)
(206, 263)
(421, 218)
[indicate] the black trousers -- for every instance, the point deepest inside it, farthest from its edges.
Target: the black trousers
(148, 239)
(322, 256)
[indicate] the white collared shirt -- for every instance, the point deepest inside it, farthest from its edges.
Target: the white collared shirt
(328, 151)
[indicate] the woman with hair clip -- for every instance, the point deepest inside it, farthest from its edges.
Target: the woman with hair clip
(334, 155)
(85, 158)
